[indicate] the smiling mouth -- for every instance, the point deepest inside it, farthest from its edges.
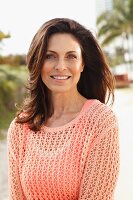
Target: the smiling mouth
(60, 77)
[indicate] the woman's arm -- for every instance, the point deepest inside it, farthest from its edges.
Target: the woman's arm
(15, 188)
(102, 164)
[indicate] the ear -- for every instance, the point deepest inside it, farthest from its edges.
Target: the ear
(82, 68)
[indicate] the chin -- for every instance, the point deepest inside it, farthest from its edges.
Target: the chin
(59, 89)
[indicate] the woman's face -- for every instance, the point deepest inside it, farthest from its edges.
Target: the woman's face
(63, 63)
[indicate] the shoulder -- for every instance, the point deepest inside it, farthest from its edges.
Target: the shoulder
(106, 112)
(102, 114)
(13, 125)
(15, 130)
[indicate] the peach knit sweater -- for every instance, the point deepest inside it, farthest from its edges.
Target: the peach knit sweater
(76, 161)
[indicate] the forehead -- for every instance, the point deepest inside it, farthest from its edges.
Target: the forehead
(65, 41)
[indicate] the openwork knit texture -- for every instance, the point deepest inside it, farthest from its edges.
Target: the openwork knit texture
(76, 161)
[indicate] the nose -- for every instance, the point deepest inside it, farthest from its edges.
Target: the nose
(60, 65)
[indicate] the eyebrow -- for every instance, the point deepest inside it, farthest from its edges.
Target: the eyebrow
(56, 52)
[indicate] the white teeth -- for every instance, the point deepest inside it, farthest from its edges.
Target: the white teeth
(60, 77)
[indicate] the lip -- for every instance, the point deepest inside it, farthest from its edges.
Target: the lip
(60, 80)
(60, 75)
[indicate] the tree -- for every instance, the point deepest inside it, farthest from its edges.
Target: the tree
(3, 35)
(115, 23)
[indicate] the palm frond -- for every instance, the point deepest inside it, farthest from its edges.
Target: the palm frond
(110, 37)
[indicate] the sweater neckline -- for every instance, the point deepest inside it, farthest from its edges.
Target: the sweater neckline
(88, 102)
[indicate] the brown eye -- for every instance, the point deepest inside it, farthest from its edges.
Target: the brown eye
(72, 56)
(50, 56)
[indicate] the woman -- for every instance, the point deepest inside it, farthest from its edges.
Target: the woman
(64, 144)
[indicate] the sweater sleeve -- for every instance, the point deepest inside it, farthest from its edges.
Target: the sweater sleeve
(102, 163)
(15, 189)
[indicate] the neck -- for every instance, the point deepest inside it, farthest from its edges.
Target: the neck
(67, 103)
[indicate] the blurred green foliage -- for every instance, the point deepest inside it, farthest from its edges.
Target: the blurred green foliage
(13, 60)
(4, 35)
(12, 91)
(117, 23)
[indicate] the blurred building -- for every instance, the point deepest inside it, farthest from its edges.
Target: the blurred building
(102, 6)
(107, 5)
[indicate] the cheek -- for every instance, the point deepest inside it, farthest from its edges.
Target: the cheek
(45, 69)
(77, 68)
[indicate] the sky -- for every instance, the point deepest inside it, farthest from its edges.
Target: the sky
(23, 18)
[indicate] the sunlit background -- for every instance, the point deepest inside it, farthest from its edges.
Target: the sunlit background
(23, 18)
(111, 22)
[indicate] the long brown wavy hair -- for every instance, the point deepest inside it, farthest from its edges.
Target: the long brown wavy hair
(96, 81)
